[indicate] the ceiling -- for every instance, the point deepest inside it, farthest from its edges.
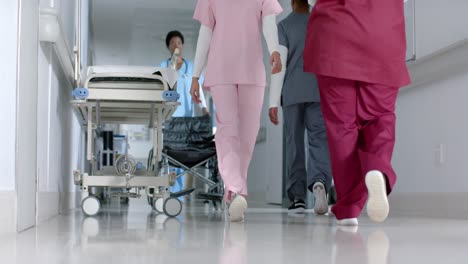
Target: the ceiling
(133, 31)
(121, 30)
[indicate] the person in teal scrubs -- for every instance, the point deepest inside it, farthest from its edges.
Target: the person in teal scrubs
(175, 39)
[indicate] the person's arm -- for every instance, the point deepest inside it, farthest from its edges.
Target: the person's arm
(270, 32)
(276, 86)
(201, 53)
(201, 57)
(203, 102)
(277, 80)
(202, 96)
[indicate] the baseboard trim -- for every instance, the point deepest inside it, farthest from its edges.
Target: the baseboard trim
(51, 204)
(47, 205)
(8, 215)
(69, 201)
(434, 205)
(257, 197)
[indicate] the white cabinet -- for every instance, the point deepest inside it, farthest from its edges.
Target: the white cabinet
(439, 24)
(410, 30)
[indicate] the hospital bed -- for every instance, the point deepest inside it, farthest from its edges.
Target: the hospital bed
(126, 95)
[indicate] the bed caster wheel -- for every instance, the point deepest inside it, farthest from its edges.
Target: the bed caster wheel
(172, 207)
(158, 205)
(90, 206)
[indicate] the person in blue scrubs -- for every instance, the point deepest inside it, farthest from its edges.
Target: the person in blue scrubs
(175, 39)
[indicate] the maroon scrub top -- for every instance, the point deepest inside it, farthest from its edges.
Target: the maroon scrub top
(362, 40)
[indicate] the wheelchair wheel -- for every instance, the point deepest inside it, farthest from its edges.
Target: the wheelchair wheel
(172, 207)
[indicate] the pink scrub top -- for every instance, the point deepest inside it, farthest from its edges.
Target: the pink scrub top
(235, 55)
(362, 40)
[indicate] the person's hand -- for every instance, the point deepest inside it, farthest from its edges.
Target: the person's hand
(195, 90)
(275, 62)
(205, 111)
(273, 113)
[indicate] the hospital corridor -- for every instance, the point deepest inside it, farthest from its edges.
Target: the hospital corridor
(247, 131)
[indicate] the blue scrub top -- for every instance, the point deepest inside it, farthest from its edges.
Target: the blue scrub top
(184, 83)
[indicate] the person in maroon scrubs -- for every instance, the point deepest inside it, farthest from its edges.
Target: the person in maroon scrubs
(357, 50)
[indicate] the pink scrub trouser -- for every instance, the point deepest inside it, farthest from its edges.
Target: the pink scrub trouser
(238, 109)
(360, 121)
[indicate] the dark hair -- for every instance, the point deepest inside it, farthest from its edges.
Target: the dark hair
(303, 2)
(172, 35)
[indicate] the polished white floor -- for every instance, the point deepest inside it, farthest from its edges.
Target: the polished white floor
(135, 234)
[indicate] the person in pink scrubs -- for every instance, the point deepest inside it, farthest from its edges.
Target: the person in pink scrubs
(231, 45)
(357, 50)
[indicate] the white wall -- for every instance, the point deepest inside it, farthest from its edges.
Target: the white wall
(8, 63)
(432, 180)
(43, 112)
(428, 116)
(8, 53)
(26, 125)
(86, 58)
(67, 18)
(439, 24)
(410, 29)
(129, 32)
(66, 9)
(139, 149)
(109, 56)
(144, 50)
(148, 51)
(59, 150)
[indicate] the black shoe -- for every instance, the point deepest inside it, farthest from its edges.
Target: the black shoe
(297, 206)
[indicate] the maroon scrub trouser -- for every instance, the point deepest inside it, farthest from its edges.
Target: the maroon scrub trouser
(360, 121)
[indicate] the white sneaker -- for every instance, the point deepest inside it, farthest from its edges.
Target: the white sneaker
(377, 203)
(237, 208)
(350, 229)
(321, 201)
(348, 222)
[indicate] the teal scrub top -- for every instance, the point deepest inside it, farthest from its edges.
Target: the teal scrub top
(184, 83)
